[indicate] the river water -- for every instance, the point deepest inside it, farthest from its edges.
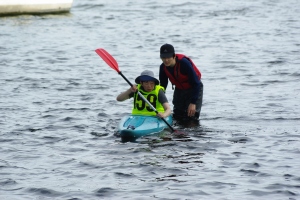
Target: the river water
(58, 113)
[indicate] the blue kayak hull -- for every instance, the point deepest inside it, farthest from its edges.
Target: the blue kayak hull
(135, 126)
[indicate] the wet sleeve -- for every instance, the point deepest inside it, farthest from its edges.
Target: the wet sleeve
(163, 79)
(187, 68)
(131, 95)
(162, 97)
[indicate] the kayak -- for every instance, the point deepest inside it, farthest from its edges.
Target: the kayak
(132, 127)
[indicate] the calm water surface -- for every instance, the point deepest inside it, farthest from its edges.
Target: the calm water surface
(58, 113)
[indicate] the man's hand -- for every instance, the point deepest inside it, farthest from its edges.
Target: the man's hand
(191, 110)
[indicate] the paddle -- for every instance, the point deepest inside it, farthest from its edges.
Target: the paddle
(114, 65)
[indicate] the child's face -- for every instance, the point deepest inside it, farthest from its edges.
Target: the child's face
(148, 85)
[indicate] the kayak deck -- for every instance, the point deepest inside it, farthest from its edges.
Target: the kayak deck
(135, 126)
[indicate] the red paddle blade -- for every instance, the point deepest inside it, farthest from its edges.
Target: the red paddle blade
(108, 59)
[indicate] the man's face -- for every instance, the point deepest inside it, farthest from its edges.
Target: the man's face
(169, 62)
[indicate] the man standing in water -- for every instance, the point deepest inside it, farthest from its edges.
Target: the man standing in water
(182, 72)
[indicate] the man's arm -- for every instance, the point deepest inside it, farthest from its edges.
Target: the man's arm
(187, 68)
(163, 78)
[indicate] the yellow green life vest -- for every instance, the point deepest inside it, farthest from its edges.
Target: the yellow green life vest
(140, 107)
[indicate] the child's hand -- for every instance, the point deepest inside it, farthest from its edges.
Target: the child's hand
(160, 115)
(133, 88)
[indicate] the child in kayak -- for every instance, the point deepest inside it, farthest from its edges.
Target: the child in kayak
(149, 87)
